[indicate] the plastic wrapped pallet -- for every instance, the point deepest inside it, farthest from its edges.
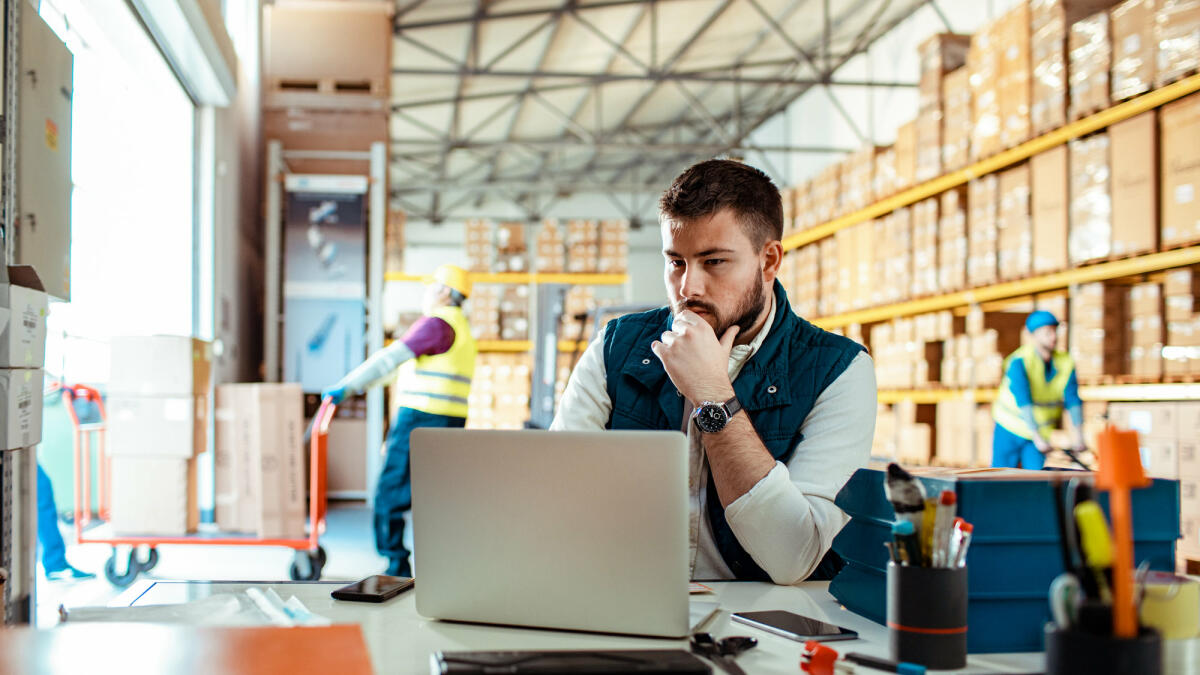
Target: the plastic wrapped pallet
(549, 248)
(925, 247)
(1015, 86)
(1133, 48)
(614, 247)
(1090, 236)
(1090, 54)
(956, 120)
(479, 247)
(1014, 242)
(826, 194)
(828, 291)
(983, 64)
(1049, 28)
(952, 240)
(885, 180)
(939, 54)
(983, 202)
(899, 271)
(856, 179)
(1177, 35)
(906, 155)
(1098, 331)
(805, 216)
(929, 144)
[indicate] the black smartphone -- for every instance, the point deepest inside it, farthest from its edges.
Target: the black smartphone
(794, 627)
(374, 589)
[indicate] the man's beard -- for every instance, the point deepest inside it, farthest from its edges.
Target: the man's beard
(745, 314)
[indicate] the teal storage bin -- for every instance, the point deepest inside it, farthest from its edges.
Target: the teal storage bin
(1014, 553)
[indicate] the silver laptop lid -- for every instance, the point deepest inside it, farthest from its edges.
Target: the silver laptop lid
(575, 530)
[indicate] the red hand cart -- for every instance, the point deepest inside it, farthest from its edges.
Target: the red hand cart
(309, 555)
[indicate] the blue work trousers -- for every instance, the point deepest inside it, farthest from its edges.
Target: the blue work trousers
(393, 495)
(1010, 450)
(54, 551)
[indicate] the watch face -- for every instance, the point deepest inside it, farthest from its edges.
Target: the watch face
(711, 418)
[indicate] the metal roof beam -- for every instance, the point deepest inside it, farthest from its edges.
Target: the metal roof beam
(614, 145)
(530, 184)
(403, 26)
(655, 76)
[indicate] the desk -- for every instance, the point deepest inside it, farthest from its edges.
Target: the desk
(400, 640)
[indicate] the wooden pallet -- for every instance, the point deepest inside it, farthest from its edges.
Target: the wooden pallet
(1098, 380)
(1181, 76)
(1189, 563)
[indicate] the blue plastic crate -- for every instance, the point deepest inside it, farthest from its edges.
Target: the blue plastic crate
(1014, 551)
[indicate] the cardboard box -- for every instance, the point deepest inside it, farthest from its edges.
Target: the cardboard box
(23, 308)
(1177, 35)
(1049, 178)
(956, 119)
(153, 496)
(1189, 458)
(262, 437)
(1090, 235)
(160, 365)
(983, 64)
(983, 201)
(1014, 224)
(1016, 76)
(21, 403)
(906, 155)
(1179, 128)
(1089, 50)
(1135, 185)
(157, 426)
(1159, 420)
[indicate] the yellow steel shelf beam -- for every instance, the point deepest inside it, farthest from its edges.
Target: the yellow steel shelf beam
(526, 278)
(1166, 391)
(521, 346)
(1151, 262)
(936, 186)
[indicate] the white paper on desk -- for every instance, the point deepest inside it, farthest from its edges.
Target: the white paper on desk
(221, 609)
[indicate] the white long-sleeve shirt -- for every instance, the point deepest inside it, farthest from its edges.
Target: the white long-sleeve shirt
(788, 520)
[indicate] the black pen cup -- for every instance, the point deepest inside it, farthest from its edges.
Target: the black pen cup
(1075, 652)
(927, 615)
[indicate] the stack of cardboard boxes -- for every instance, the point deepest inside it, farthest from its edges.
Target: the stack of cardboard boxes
(956, 119)
(952, 241)
(983, 202)
(580, 301)
(550, 246)
(916, 442)
(963, 433)
(884, 182)
(897, 237)
(827, 194)
(805, 216)
(1048, 206)
(583, 246)
(827, 300)
(483, 311)
(1090, 235)
(1181, 353)
(158, 415)
(925, 247)
(1179, 124)
(787, 198)
(1145, 337)
(614, 247)
(259, 467)
(1098, 331)
(1015, 87)
(857, 179)
(1134, 145)
(906, 156)
(807, 275)
(1089, 55)
(479, 247)
(1014, 225)
(939, 55)
(1048, 27)
(499, 397)
(512, 253)
(514, 312)
(1133, 49)
(983, 64)
(23, 307)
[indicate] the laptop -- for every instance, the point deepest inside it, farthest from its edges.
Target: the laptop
(570, 530)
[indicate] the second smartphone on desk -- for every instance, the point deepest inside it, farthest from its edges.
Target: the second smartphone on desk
(374, 589)
(793, 626)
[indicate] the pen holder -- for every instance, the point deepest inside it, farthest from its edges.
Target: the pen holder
(1072, 651)
(927, 615)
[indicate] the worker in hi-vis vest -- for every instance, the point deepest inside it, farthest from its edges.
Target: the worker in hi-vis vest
(1039, 381)
(434, 361)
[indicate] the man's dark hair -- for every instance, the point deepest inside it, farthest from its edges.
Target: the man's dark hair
(717, 184)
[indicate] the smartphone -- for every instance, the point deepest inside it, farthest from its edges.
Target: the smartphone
(374, 589)
(794, 627)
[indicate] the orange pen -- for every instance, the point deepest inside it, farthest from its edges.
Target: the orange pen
(1121, 470)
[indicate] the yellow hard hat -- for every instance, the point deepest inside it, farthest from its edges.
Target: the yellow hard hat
(452, 276)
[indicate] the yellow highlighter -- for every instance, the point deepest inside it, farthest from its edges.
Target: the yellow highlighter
(1096, 542)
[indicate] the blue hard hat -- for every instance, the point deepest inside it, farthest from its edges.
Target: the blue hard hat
(1038, 319)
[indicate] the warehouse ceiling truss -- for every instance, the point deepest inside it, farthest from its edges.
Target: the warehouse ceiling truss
(527, 103)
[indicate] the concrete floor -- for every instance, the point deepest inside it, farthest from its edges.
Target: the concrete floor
(348, 541)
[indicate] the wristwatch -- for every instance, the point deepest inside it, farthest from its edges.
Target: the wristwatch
(712, 416)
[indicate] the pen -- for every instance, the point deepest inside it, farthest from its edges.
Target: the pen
(928, 520)
(1096, 543)
(943, 525)
(907, 547)
(820, 659)
(906, 494)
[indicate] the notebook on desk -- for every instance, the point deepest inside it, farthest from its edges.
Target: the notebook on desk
(570, 530)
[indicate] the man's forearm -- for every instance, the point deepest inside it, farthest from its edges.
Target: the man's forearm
(737, 457)
(1030, 421)
(380, 364)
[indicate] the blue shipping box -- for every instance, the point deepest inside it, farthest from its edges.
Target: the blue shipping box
(1014, 552)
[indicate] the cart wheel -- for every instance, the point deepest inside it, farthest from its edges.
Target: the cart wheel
(307, 566)
(151, 560)
(131, 570)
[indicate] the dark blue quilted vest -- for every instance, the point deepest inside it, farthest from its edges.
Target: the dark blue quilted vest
(777, 386)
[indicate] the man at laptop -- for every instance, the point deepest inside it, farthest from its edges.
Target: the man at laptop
(778, 413)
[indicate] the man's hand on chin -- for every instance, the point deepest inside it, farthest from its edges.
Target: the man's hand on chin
(696, 361)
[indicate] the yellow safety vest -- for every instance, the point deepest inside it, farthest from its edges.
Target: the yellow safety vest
(1047, 397)
(439, 384)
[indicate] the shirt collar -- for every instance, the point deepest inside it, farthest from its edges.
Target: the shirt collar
(741, 353)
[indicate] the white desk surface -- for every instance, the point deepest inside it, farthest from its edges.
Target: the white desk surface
(401, 641)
